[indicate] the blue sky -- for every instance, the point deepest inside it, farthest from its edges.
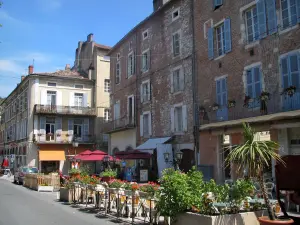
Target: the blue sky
(48, 31)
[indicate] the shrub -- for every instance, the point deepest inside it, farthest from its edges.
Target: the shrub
(109, 173)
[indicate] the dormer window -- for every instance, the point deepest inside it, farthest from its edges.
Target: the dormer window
(175, 14)
(145, 34)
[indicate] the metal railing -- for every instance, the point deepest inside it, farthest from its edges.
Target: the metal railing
(119, 124)
(62, 138)
(247, 108)
(65, 110)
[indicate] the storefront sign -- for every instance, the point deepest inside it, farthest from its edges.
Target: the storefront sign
(143, 175)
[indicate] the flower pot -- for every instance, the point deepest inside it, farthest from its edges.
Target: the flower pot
(266, 221)
(107, 179)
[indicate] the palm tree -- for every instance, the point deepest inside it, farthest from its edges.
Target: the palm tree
(254, 156)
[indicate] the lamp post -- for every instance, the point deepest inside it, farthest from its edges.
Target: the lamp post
(106, 159)
(177, 157)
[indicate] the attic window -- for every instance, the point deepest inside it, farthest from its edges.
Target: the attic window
(79, 86)
(145, 34)
(51, 84)
(118, 56)
(175, 14)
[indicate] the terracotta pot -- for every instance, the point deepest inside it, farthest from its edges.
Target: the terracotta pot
(266, 221)
(107, 179)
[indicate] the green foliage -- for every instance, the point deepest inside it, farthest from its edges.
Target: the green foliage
(240, 190)
(74, 171)
(174, 193)
(109, 173)
(116, 184)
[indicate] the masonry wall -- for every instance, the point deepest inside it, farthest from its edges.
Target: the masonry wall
(160, 30)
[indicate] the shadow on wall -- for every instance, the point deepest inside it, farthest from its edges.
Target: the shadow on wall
(188, 159)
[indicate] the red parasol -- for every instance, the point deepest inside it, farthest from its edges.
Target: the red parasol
(5, 163)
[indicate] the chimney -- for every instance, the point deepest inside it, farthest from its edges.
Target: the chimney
(90, 37)
(68, 67)
(30, 69)
(90, 73)
(22, 78)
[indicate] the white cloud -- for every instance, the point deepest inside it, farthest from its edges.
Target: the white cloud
(49, 5)
(10, 66)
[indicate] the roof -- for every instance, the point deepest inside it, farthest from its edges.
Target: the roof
(139, 25)
(63, 73)
(102, 46)
(152, 143)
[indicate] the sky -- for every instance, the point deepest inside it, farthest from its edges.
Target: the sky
(48, 31)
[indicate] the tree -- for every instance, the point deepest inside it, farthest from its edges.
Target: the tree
(254, 156)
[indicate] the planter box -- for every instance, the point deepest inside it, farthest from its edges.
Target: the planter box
(45, 188)
(65, 195)
(247, 218)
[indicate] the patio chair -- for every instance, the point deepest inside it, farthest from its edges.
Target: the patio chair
(149, 208)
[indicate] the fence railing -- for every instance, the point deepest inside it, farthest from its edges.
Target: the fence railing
(236, 109)
(65, 110)
(33, 181)
(62, 138)
(119, 124)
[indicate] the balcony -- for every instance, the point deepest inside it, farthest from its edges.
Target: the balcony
(64, 110)
(277, 106)
(119, 125)
(62, 139)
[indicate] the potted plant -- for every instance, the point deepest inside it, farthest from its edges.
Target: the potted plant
(149, 190)
(74, 172)
(264, 96)
(247, 100)
(115, 185)
(215, 106)
(254, 156)
(290, 91)
(108, 175)
(231, 103)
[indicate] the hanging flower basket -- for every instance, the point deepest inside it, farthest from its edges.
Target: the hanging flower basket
(264, 96)
(247, 100)
(290, 91)
(215, 107)
(231, 103)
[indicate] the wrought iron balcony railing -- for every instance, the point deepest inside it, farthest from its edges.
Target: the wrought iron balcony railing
(65, 110)
(248, 108)
(62, 138)
(119, 124)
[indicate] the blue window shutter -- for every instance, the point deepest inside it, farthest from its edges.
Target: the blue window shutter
(261, 15)
(217, 3)
(210, 35)
(298, 10)
(272, 18)
(218, 89)
(224, 91)
(227, 31)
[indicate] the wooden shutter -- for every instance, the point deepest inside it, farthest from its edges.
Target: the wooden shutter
(210, 38)
(86, 130)
(43, 97)
(227, 35)
(298, 10)
(85, 100)
(181, 84)
(184, 117)
(272, 17)
(58, 125)
(42, 128)
(58, 98)
(141, 126)
(150, 124)
(261, 17)
(70, 129)
(172, 119)
(284, 72)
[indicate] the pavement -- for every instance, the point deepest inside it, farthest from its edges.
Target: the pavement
(21, 206)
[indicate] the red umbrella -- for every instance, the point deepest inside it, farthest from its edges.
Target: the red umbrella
(5, 163)
(82, 154)
(98, 152)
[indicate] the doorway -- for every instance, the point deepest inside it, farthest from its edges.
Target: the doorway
(50, 128)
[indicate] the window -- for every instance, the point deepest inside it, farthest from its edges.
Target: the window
(50, 128)
(145, 91)
(177, 80)
(221, 86)
(130, 109)
(77, 128)
(261, 20)
(208, 24)
(118, 56)
(51, 98)
(106, 85)
(178, 119)
(145, 34)
(253, 85)
(252, 24)
(175, 14)
(130, 65)
(106, 115)
(290, 70)
(118, 73)
(145, 61)
(145, 125)
(117, 110)
(51, 84)
(176, 44)
(223, 39)
(79, 86)
(290, 13)
(78, 99)
(218, 3)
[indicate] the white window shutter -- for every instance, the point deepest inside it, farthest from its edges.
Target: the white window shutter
(35, 125)
(172, 120)
(43, 97)
(142, 95)
(133, 109)
(181, 80)
(86, 130)
(85, 101)
(58, 124)
(71, 99)
(184, 117)
(149, 92)
(141, 126)
(59, 98)
(150, 124)
(172, 82)
(70, 129)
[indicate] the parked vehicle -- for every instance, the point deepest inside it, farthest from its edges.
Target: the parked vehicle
(21, 173)
(5, 172)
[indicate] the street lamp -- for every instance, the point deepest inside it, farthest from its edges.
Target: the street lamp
(106, 159)
(177, 157)
(166, 156)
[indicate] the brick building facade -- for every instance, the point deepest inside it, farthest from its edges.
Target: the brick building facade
(151, 80)
(243, 49)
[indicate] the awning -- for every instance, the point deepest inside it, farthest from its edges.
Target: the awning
(151, 144)
(135, 154)
(52, 155)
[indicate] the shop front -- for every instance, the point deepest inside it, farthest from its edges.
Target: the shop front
(51, 161)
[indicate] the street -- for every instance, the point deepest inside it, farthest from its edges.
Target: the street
(21, 206)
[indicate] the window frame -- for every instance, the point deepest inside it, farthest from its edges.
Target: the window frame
(146, 52)
(221, 26)
(79, 85)
(48, 84)
(106, 115)
(118, 73)
(287, 56)
(81, 95)
(130, 54)
(179, 43)
(176, 123)
(173, 12)
(145, 98)
(107, 85)
(251, 8)
(289, 16)
(145, 32)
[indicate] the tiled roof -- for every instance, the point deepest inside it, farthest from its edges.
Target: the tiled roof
(64, 73)
(102, 46)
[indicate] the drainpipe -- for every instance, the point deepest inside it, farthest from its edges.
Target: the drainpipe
(195, 90)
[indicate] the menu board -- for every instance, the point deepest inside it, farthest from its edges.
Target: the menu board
(143, 175)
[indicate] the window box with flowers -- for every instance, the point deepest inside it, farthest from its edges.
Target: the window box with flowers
(215, 106)
(290, 91)
(264, 96)
(231, 103)
(247, 100)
